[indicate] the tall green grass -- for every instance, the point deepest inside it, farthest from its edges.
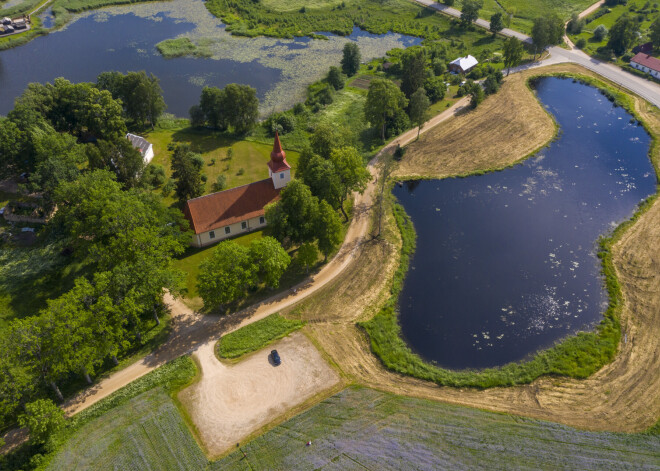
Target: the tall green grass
(180, 47)
(255, 336)
(578, 356)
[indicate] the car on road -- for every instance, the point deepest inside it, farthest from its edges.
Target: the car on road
(276, 357)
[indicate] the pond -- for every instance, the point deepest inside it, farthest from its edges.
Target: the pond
(124, 38)
(506, 262)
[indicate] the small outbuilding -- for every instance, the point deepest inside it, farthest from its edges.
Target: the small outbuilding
(646, 63)
(463, 65)
(144, 146)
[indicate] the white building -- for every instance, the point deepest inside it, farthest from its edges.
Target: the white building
(144, 146)
(463, 65)
(646, 63)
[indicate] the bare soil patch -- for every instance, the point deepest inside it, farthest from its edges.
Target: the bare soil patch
(503, 129)
(230, 402)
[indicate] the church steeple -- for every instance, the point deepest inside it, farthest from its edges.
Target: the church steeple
(278, 155)
(278, 168)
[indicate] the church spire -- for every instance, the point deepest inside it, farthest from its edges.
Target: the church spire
(278, 155)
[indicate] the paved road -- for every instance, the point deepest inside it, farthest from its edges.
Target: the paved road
(646, 89)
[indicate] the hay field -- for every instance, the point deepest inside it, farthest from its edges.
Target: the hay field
(504, 128)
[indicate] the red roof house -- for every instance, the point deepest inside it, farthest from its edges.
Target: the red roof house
(646, 63)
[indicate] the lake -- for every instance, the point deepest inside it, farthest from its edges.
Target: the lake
(124, 38)
(506, 262)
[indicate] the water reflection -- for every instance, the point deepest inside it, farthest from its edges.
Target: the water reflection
(505, 262)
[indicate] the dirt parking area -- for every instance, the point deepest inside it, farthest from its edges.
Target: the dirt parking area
(230, 402)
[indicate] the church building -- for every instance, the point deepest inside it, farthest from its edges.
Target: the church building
(239, 210)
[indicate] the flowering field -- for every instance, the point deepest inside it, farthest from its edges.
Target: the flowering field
(366, 429)
(147, 432)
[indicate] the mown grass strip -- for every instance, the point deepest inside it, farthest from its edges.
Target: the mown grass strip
(578, 356)
(255, 336)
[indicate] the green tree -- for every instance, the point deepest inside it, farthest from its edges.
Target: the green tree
(413, 63)
(449, 3)
(241, 107)
(336, 78)
(575, 24)
(197, 118)
(187, 171)
(491, 84)
(622, 34)
(17, 382)
(496, 23)
(654, 35)
(513, 53)
(140, 94)
(326, 137)
(353, 176)
(600, 32)
(226, 275)
(58, 158)
(435, 88)
(121, 158)
(384, 100)
(306, 255)
(470, 12)
(13, 149)
(211, 104)
(419, 109)
(43, 419)
(323, 180)
(269, 259)
(328, 229)
(292, 219)
(350, 62)
(546, 31)
(476, 94)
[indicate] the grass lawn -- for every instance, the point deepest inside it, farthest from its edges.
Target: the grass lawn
(190, 260)
(255, 336)
(247, 165)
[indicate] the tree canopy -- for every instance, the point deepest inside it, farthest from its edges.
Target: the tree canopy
(140, 94)
(384, 100)
(622, 34)
(350, 62)
(187, 169)
(470, 12)
(513, 53)
(235, 105)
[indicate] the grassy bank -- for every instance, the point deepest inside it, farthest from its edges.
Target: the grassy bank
(577, 356)
(255, 336)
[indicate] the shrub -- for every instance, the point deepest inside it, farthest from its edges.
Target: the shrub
(154, 175)
(241, 171)
(220, 183)
(600, 32)
(282, 122)
(581, 43)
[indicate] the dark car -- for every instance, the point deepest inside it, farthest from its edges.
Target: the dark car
(276, 357)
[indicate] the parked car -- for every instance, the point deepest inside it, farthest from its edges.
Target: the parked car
(276, 357)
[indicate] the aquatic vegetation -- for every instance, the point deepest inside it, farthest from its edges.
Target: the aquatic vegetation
(301, 60)
(183, 47)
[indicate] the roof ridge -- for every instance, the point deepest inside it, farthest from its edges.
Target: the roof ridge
(228, 189)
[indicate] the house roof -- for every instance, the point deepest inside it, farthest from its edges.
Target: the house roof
(466, 62)
(647, 61)
(139, 143)
(277, 162)
(216, 210)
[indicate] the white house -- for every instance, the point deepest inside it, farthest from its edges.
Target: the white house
(463, 65)
(646, 63)
(144, 146)
(231, 212)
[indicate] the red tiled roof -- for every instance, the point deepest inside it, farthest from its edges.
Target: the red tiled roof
(216, 210)
(647, 61)
(277, 161)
